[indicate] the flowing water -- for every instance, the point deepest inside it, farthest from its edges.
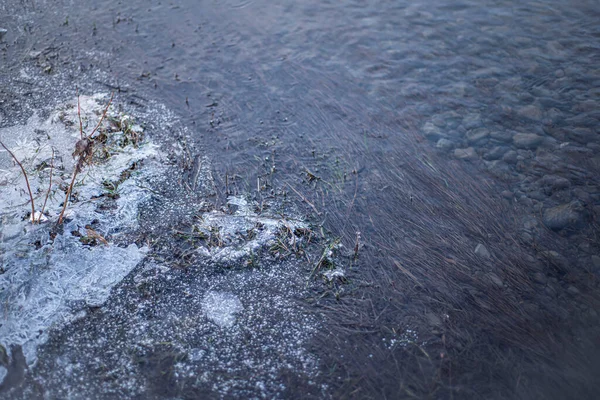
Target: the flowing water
(446, 155)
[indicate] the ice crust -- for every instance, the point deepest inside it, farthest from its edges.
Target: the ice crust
(45, 283)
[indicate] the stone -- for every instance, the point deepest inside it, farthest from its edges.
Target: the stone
(444, 144)
(496, 280)
(471, 121)
(502, 136)
(557, 260)
(531, 112)
(495, 153)
(527, 140)
(475, 135)
(582, 195)
(561, 197)
(533, 263)
(432, 132)
(573, 290)
(539, 278)
(482, 251)
(510, 157)
(439, 121)
(465, 154)
(564, 216)
(546, 101)
(577, 151)
(582, 135)
(557, 132)
(451, 119)
(507, 194)
(433, 320)
(499, 169)
(536, 195)
(585, 106)
(596, 262)
(553, 115)
(3, 32)
(550, 291)
(525, 201)
(595, 147)
(526, 237)
(555, 182)
(552, 183)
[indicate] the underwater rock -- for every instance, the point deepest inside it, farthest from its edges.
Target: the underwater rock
(563, 216)
(527, 140)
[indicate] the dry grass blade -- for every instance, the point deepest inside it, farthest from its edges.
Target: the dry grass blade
(49, 187)
(305, 199)
(407, 272)
(79, 115)
(95, 235)
(26, 180)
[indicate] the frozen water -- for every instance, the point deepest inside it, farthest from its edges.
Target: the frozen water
(221, 308)
(46, 282)
(229, 228)
(44, 287)
(240, 327)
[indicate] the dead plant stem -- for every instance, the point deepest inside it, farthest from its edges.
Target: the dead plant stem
(82, 154)
(26, 180)
(49, 187)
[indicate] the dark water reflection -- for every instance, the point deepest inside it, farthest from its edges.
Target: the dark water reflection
(429, 127)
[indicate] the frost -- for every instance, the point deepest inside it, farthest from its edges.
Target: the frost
(48, 280)
(35, 299)
(221, 308)
(229, 228)
(332, 274)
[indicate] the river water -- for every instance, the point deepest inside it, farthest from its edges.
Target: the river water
(451, 147)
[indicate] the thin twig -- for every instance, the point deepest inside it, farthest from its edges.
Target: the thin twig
(26, 180)
(79, 115)
(103, 115)
(49, 187)
(62, 213)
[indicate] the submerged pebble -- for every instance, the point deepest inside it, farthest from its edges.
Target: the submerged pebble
(466, 154)
(527, 140)
(564, 216)
(482, 251)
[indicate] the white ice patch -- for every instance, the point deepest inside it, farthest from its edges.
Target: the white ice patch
(221, 307)
(332, 274)
(228, 228)
(41, 297)
(46, 283)
(45, 147)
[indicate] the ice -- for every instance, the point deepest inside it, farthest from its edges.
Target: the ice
(35, 299)
(49, 280)
(221, 308)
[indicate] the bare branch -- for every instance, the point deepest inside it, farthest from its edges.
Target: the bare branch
(26, 180)
(82, 154)
(103, 115)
